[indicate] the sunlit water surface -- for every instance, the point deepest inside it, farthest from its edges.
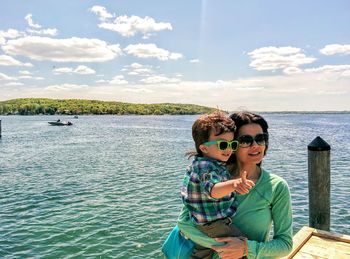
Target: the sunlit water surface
(108, 186)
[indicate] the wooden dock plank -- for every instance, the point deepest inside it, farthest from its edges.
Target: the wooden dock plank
(314, 243)
(326, 248)
(334, 236)
(299, 240)
(325, 242)
(304, 255)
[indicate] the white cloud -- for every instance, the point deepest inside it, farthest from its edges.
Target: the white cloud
(175, 56)
(24, 72)
(159, 79)
(4, 77)
(6, 60)
(100, 81)
(130, 26)
(143, 71)
(118, 80)
(138, 90)
(137, 69)
(328, 93)
(272, 58)
(331, 73)
(62, 50)
(101, 12)
(292, 70)
(82, 70)
(65, 87)
(136, 65)
(333, 49)
(63, 70)
(14, 84)
(31, 77)
(194, 61)
(10, 34)
(30, 21)
(346, 73)
(151, 51)
(263, 93)
(330, 69)
(49, 31)
(313, 90)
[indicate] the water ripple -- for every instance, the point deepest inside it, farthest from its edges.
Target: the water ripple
(108, 187)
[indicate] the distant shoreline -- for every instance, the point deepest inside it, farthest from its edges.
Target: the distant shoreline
(46, 106)
(307, 112)
(176, 114)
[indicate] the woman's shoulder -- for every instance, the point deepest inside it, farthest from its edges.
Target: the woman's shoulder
(274, 180)
(273, 186)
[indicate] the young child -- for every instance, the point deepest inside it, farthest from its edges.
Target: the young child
(208, 190)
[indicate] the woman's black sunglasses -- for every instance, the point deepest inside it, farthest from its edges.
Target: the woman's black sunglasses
(247, 140)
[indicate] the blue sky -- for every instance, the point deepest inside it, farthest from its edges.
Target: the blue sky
(257, 55)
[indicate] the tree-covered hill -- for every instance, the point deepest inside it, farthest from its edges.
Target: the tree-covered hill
(34, 106)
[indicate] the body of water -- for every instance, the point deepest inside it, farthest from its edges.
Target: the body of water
(108, 186)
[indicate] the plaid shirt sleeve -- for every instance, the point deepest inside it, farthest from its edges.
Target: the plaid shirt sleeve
(209, 178)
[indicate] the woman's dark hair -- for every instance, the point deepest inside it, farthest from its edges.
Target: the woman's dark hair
(243, 118)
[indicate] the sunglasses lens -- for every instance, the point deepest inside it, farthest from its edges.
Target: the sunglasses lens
(234, 145)
(261, 139)
(245, 141)
(223, 145)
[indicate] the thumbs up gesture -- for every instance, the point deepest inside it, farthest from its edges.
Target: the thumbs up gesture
(242, 185)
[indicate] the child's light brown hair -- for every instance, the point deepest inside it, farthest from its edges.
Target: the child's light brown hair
(216, 123)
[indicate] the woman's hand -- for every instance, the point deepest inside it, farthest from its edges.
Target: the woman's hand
(234, 248)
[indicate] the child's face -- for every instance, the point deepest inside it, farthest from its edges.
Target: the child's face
(213, 151)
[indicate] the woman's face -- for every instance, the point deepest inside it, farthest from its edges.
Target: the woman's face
(254, 153)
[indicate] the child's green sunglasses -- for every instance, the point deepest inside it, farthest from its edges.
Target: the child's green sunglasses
(223, 144)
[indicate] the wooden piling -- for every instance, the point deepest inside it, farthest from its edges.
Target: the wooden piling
(0, 128)
(319, 184)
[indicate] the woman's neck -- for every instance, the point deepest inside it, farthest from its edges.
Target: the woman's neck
(253, 171)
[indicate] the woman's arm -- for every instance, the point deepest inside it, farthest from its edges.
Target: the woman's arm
(282, 241)
(188, 228)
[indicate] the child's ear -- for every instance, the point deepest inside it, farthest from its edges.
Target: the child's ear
(203, 148)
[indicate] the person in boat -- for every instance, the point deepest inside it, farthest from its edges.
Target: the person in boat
(267, 203)
(208, 192)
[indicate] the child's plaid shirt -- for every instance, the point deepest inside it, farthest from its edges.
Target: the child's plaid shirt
(200, 178)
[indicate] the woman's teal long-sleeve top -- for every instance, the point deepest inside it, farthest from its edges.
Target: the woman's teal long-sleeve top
(267, 202)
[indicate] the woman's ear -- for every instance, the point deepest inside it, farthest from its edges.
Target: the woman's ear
(203, 148)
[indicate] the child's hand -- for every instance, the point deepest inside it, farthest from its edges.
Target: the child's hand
(242, 185)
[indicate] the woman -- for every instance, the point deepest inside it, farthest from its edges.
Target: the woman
(267, 203)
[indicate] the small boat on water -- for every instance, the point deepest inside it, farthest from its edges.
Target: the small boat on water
(60, 123)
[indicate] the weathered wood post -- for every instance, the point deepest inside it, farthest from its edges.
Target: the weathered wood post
(319, 184)
(0, 128)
